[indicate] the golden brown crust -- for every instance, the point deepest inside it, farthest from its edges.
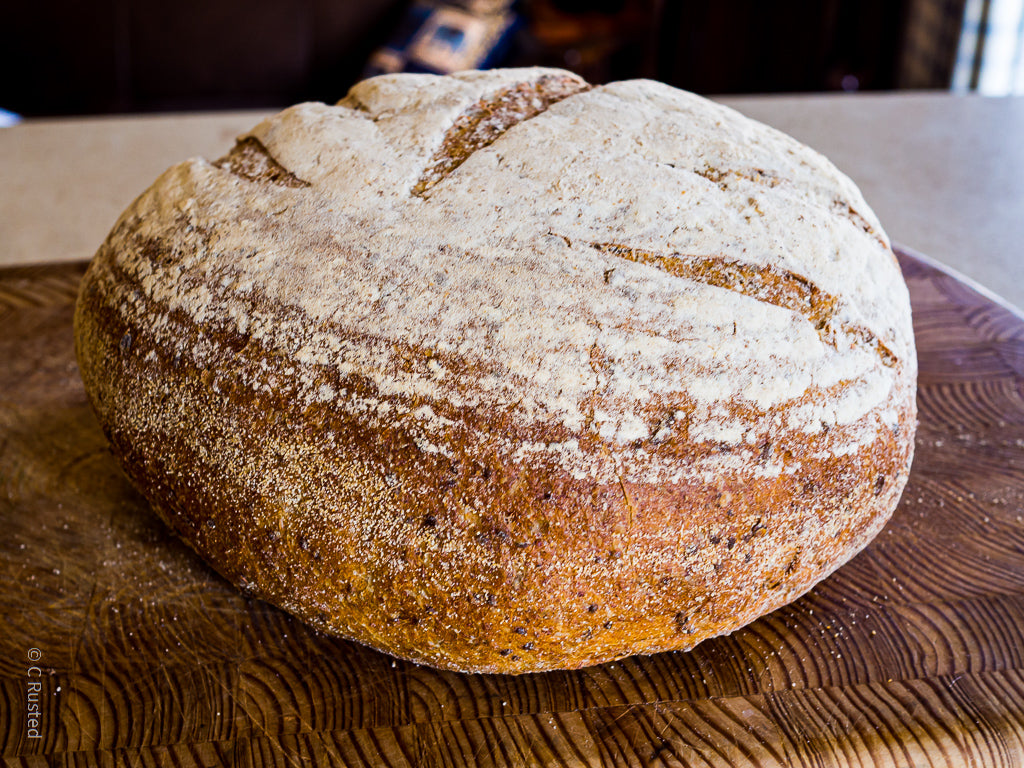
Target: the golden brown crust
(475, 557)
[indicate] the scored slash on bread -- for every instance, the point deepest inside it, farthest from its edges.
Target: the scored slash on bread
(250, 160)
(504, 372)
(764, 283)
(482, 124)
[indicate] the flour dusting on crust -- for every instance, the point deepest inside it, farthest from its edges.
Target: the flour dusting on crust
(501, 267)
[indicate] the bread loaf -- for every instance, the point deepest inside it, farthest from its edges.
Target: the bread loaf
(503, 372)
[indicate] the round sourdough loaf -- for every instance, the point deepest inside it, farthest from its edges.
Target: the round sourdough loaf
(503, 372)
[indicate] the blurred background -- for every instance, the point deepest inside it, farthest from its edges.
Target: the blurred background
(116, 56)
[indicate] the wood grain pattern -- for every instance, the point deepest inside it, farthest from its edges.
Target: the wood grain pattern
(911, 655)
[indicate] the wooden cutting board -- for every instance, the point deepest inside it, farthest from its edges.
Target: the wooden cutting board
(136, 653)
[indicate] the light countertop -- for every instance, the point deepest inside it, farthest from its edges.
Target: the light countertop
(944, 173)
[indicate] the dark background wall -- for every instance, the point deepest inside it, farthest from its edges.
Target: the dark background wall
(68, 57)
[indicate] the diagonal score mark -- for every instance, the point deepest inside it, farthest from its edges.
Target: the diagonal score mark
(486, 120)
(253, 162)
(724, 178)
(778, 287)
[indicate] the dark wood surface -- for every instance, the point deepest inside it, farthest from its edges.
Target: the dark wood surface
(138, 654)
